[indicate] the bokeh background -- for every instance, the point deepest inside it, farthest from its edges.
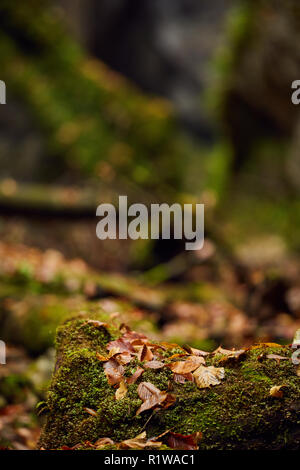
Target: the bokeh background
(164, 101)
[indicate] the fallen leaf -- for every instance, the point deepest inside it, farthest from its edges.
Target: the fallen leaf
(232, 353)
(182, 378)
(121, 391)
(101, 358)
(145, 354)
(139, 442)
(266, 345)
(194, 351)
(276, 391)
(135, 376)
(277, 357)
(124, 358)
(154, 365)
(90, 411)
(150, 395)
(169, 401)
(96, 323)
(166, 345)
(207, 376)
(177, 355)
(123, 345)
(113, 371)
(184, 442)
(104, 441)
(184, 367)
(112, 352)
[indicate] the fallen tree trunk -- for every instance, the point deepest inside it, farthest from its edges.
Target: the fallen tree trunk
(110, 382)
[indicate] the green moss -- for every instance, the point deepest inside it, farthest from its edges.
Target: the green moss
(237, 414)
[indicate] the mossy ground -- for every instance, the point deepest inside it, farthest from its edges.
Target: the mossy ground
(237, 414)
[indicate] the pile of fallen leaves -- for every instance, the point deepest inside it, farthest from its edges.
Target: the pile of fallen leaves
(174, 441)
(189, 365)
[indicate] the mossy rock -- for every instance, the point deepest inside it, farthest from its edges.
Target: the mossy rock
(238, 413)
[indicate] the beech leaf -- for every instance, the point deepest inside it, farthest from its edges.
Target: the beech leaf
(184, 442)
(207, 376)
(150, 395)
(113, 371)
(104, 441)
(123, 345)
(184, 367)
(135, 375)
(139, 442)
(154, 365)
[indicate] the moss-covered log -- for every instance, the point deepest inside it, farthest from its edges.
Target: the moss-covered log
(241, 410)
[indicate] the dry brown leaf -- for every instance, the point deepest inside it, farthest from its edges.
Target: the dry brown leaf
(232, 353)
(194, 351)
(96, 323)
(266, 345)
(174, 356)
(150, 395)
(101, 358)
(104, 441)
(182, 378)
(90, 411)
(139, 442)
(121, 391)
(124, 358)
(207, 376)
(184, 442)
(184, 367)
(114, 372)
(276, 391)
(135, 376)
(277, 357)
(122, 344)
(145, 354)
(154, 365)
(166, 345)
(112, 352)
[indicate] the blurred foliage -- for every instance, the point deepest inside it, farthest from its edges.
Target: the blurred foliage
(94, 121)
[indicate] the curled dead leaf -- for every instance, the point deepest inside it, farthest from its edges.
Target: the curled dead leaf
(184, 442)
(96, 323)
(194, 351)
(182, 378)
(90, 411)
(139, 442)
(277, 357)
(114, 372)
(207, 376)
(277, 391)
(135, 376)
(184, 367)
(145, 354)
(154, 365)
(104, 441)
(124, 358)
(121, 344)
(121, 391)
(150, 395)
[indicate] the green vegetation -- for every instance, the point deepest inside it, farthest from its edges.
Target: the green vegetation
(237, 414)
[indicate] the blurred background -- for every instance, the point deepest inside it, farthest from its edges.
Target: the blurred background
(164, 101)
